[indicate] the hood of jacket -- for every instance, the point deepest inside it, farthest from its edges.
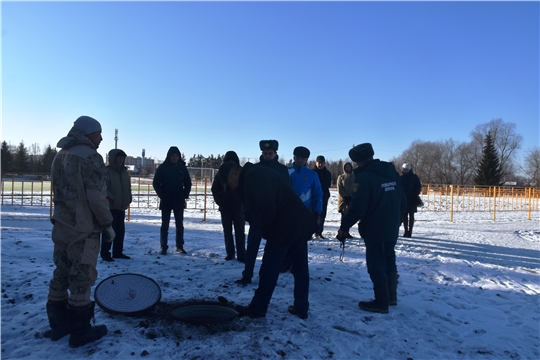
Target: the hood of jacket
(74, 137)
(112, 158)
(173, 150)
(344, 165)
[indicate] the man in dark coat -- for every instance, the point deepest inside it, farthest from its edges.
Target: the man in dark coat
(378, 203)
(172, 184)
(119, 197)
(325, 178)
(286, 224)
(270, 159)
(411, 187)
(230, 208)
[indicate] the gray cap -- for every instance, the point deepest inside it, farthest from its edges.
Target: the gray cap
(87, 125)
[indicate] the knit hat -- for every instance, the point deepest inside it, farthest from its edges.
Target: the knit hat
(231, 156)
(224, 170)
(268, 145)
(406, 166)
(301, 152)
(87, 125)
(361, 152)
(320, 158)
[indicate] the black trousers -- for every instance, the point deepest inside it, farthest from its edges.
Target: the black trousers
(119, 228)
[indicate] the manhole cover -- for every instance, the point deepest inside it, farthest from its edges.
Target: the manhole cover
(128, 294)
(205, 313)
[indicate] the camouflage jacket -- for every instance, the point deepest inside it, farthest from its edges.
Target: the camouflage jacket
(79, 185)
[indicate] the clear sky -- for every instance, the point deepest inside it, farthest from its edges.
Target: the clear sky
(210, 77)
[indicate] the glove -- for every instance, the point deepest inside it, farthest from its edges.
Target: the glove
(108, 234)
(341, 236)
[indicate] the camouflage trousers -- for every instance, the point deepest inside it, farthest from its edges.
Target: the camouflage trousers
(75, 256)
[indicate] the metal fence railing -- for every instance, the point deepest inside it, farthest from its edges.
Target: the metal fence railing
(37, 191)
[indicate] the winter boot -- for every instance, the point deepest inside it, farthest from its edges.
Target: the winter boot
(411, 224)
(406, 226)
(57, 314)
(380, 304)
(392, 280)
(79, 324)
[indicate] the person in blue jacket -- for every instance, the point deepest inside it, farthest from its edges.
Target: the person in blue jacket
(379, 203)
(305, 182)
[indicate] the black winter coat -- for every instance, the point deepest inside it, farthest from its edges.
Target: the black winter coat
(284, 217)
(277, 166)
(172, 182)
(325, 177)
(411, 188)
(377, 201)
(227, 198)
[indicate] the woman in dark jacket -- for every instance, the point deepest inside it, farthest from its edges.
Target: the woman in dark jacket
(172, 184)
(230, 208)
(411, 188)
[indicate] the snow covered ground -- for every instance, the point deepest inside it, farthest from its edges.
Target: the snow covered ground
(467, 289)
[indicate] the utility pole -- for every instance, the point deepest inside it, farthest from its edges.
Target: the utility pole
(115, 138)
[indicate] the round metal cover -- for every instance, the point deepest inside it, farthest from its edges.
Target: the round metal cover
(127, 294)
(205, 313)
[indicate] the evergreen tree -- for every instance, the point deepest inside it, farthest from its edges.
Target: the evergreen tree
(21, 160)
(489, 170)
(47, 159)
(7, 158)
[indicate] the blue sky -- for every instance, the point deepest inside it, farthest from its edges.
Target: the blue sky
(210, 77)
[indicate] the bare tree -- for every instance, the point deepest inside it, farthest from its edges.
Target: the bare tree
(532, 166)
(505, 140)
(465, 165)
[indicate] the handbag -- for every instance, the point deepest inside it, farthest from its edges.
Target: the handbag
(419, 202)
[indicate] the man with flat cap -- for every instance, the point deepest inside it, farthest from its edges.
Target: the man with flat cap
(269, 158)
(379, 203)
(286, 224)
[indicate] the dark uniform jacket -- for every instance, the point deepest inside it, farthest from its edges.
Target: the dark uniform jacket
(172, 182)
(277, 166)
(377, 201)
(284, 217)
(411, 188)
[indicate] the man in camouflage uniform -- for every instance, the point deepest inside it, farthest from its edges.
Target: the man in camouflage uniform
(81, 213)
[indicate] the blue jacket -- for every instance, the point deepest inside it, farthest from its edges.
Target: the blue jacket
(306, 184)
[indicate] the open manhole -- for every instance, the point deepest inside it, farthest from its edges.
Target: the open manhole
(128, 294)
(205, 313)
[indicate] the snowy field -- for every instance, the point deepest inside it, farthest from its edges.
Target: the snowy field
(468, 289)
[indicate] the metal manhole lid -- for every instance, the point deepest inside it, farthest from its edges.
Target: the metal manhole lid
(127, 294)
(205, 313)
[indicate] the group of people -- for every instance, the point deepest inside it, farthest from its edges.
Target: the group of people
(285, 206)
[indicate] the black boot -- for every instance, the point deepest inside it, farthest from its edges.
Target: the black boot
(57, 314)
(406, 226)
(392, 279)
(380, 304)
(79, 324)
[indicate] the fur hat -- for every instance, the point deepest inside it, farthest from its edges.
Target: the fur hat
(406, 166)
(361, 152)
(224, 170)
(86, 125)
(301, 152)
(320, 158)
(268, 145)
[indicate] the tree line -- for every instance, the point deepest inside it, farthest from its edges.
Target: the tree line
(489, 158)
